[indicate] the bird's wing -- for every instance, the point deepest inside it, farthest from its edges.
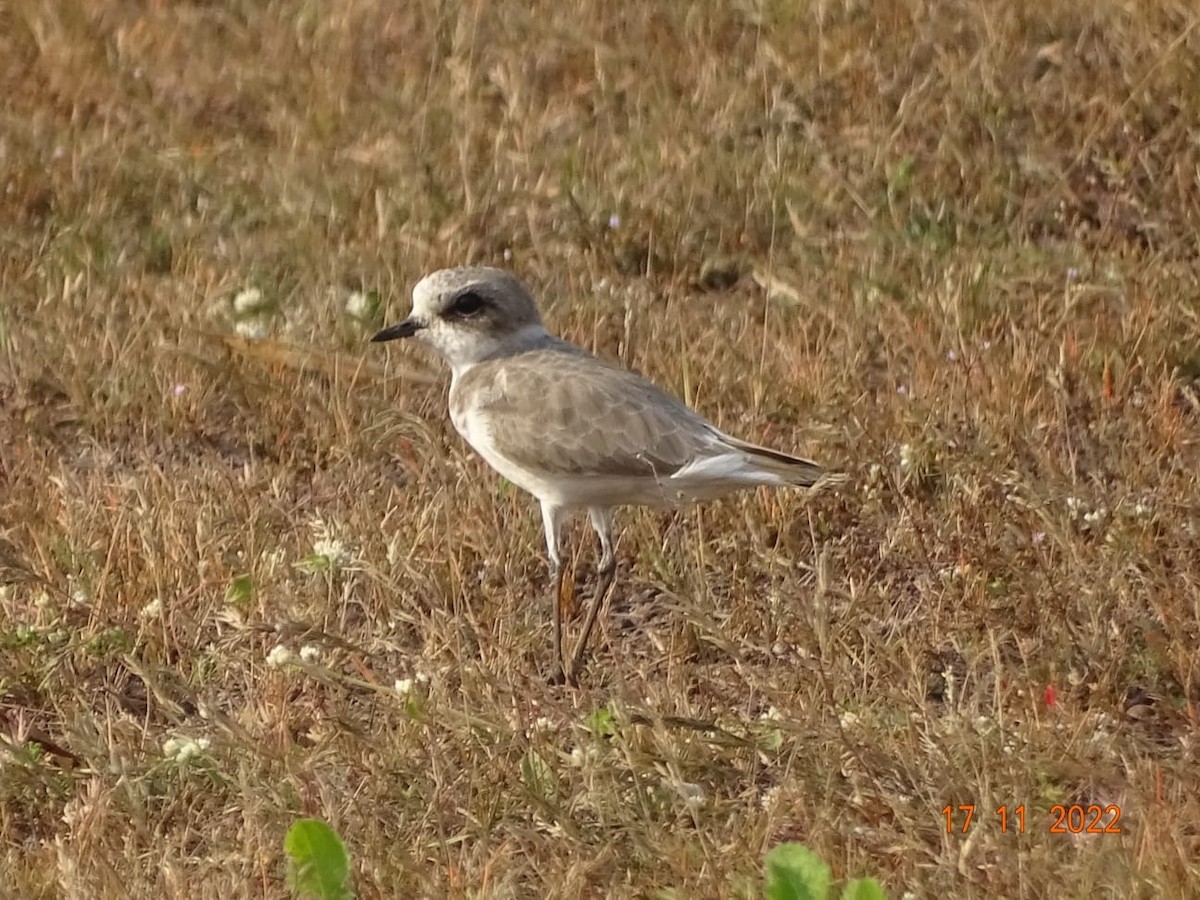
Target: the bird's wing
(564, 411)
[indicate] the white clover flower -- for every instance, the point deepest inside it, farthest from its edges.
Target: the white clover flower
(693, 794)
(310, 653)
(405, 686)
(183, 749)
(252, 329)
(1140, 510)
(280, 656)
(333, 550)
(770, 796)
(325, 546)
(249, 302)
(152, 610)
(542, 725)
(359, 305)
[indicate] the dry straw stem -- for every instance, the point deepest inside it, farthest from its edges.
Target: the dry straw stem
(948, 248)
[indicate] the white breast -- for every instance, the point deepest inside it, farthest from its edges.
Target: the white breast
(473, 427)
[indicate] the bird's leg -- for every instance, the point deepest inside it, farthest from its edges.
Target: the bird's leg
(557, 571)
(602, 522)
(552, 519)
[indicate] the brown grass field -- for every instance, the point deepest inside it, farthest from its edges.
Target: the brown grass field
(948, 248)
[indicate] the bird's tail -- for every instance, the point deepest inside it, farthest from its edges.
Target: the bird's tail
(789, 469)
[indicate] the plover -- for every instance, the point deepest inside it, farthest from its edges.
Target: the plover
(576, 431)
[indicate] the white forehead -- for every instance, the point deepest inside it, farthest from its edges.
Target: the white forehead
(431, 291)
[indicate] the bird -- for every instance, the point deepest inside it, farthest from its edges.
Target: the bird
(576, 431)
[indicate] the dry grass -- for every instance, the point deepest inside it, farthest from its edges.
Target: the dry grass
(948, 247)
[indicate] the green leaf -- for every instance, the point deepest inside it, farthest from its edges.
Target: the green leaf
(315, 562)
(796, 873)
(239, 590)
(863, 889)
(319, 866)
(601, 723)
(771, 739)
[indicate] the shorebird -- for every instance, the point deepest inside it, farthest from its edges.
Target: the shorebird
(576, 431)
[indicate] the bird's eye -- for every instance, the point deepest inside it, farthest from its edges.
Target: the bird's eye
(468, 304)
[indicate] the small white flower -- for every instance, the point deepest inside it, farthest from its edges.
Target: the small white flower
(848, 719)
(405, 686)
(1038, 537)
(693, 794)
(79, 597)
(771, 715)
(902, 390)
(952, 355)
(336, 553)
(182, 749)
(542, 725)
(359, 305)
(333, 550)
(614, 221)
(310, 653)
(249, 301)
(152, 610)
(179, 390)
(507, 255)
(280, 656)
(252, 329)
(770, 796)
(1140, 510)
(906, 456)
